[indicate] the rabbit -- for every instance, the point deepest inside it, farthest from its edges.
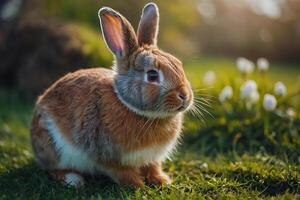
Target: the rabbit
(122, 123)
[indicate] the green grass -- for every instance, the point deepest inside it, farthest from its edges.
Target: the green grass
(220, 160)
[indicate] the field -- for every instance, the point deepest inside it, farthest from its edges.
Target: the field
(224, 157)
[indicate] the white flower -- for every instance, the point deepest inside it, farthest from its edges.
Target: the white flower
(248, 92)
(269, 102)
(291, 112)
(262, 64)
(204, 165)
(253, 97)
(240, 63)
(209, 78)
(225, 94)
(244, 65)
(247, 88)
(280, 89)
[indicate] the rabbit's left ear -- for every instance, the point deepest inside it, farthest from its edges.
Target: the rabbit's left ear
(148, 27)
(117, 32)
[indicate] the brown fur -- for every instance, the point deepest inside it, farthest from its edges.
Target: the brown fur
(42, 144)
(80, 98)
(84, 102)
(88, 113)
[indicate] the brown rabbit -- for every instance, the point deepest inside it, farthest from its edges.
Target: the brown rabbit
(123, 122)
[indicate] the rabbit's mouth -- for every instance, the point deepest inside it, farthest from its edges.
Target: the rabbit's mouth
(181, 108)
(185, 105)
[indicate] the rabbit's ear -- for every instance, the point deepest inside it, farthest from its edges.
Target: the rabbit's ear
(148, 27)
(117, 32)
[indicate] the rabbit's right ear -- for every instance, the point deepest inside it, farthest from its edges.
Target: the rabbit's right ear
(148, 27)
(117, 32)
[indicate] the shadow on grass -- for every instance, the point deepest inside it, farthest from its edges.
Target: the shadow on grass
(237, 177)
(29, 182)
(263, 182)
(227, 173)
(268, 186)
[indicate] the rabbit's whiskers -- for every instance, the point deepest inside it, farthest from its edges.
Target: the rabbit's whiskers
(202, 102)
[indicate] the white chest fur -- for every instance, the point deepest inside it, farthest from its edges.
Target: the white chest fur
(149, 155)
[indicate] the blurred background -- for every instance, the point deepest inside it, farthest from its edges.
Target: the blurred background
(41, 40)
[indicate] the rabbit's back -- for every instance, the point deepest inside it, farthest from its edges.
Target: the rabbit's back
(69, 114)
(74, 100)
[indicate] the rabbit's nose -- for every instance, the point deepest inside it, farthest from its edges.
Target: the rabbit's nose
(182, 96)
(183, 93)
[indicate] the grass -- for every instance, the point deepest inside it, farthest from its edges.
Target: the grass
(219, 160)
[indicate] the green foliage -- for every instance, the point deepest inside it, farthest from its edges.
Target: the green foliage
(193, 27)
(93, 46)
(248, 136)
(241, 127)
(173, 27)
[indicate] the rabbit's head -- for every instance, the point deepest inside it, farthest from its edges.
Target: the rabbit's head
(148, 81)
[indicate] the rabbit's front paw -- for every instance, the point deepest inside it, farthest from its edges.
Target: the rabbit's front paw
(155, 175)
(159, 179)
(128, 177)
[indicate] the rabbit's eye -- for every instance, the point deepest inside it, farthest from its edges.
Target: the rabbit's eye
(152, 76)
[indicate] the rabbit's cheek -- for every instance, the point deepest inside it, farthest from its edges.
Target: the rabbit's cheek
(150, 94)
